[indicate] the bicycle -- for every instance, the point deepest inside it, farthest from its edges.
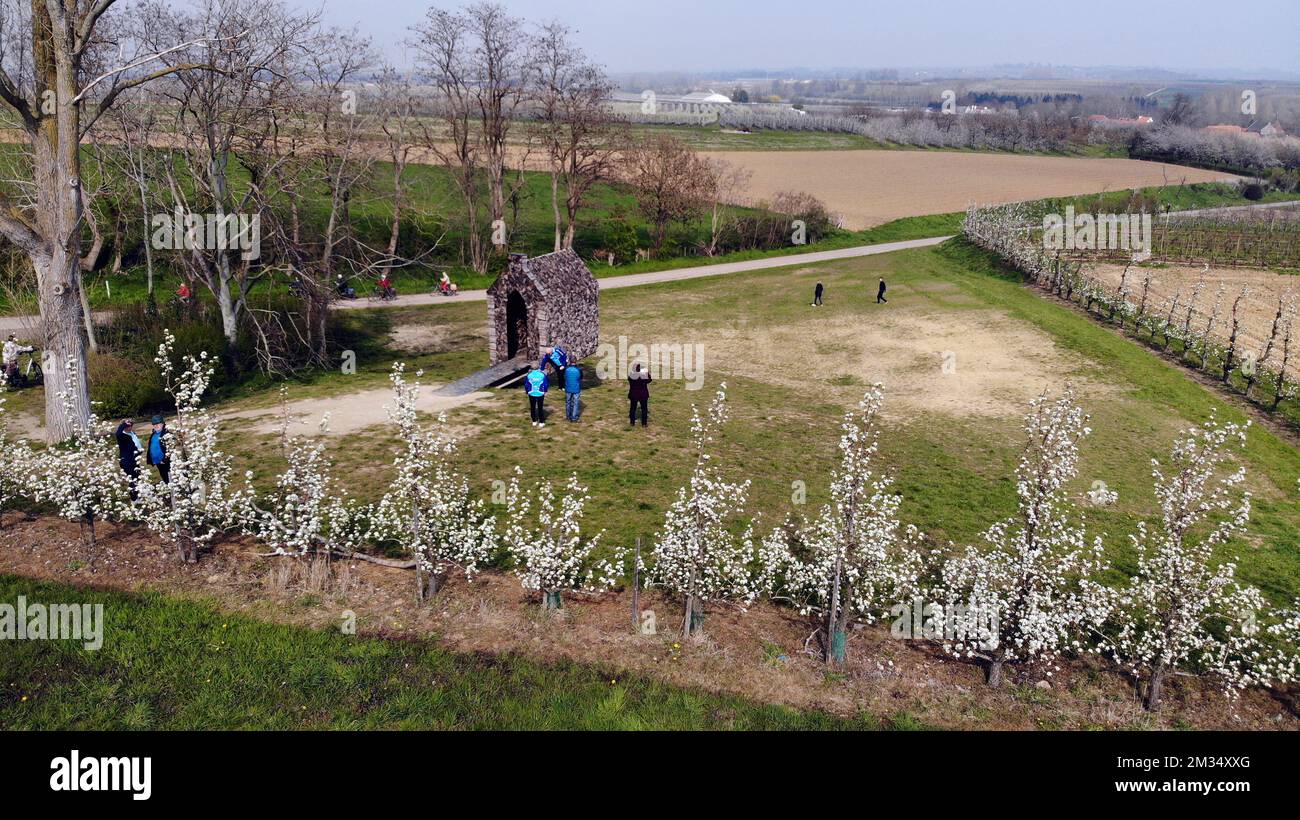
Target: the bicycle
(30, 376)
(382, 294)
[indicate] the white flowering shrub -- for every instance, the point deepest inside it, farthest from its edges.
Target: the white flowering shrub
(428, 511)
(309, 514)
(1183, 609)
(855, 557)
(1021, 591)
(200, 501)
(1279, 660)
(696, 553)
(15, 458)
(545, 539)
(80, 477)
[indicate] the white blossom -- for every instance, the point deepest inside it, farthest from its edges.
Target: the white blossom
(200, 501)
(427, 511)
(1183, 609)
(855, 557)
(80, 476)
(545, 539)
(1022, 587)
(696, 553)
(309, 512)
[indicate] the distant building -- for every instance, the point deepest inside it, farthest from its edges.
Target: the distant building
(1257, 128)
(1102, 119)
(707, 97)
(1266, 129)
(696, 102)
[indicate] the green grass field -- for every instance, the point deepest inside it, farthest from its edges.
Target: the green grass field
(171, 664)
(791, 373)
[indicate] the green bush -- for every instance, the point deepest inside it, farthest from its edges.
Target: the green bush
(121, 387)
(1253, 191)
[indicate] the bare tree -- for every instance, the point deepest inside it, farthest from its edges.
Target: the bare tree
(134, 160)
(227, 118)
(397, 119)
(731, 180)
(673, 183)
(499, 72)
(578, 135)
(443, 48)
(59, 74)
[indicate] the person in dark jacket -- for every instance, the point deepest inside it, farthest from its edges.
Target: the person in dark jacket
(638, 393)
(128, 447)
(535, 385)
(156, 452)
(817, 295)
(880, 294)
(572, 391)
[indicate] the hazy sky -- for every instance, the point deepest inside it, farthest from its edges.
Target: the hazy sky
(699, 35)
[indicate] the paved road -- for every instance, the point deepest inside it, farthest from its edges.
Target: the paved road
(23, 324)
(675, 275)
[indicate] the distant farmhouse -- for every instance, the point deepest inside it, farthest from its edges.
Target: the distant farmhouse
(1102, 119)
(1257, 128)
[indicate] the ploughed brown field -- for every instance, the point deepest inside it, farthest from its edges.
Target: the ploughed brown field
(868, 188)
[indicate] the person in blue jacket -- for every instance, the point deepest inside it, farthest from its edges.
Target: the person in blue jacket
(156, 451)
(572, 391)
(535, 385)
(558, 359)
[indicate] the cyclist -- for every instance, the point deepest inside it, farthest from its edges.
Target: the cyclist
(12, 349)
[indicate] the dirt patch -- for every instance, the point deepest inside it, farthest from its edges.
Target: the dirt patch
(348, 412)
(1257, 309)
(421, 338)
(959, 363)
(759, 654)
(872, 187)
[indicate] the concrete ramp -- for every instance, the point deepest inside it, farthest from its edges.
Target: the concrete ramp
(498, 375)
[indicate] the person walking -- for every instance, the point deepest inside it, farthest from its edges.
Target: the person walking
(638, 394)
(572, 391)
(156, 453)
(128, 448)
(817, 295)
(535, 385)
(880, 294)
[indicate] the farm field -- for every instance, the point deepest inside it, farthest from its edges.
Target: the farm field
(871, 187)
(950, 438)
(1258, 308)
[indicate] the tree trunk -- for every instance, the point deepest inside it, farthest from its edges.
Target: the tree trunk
(57, 262)
(555, 210)
(832, 617)
(64, 356)
(1155, 688)
(996, 668)
(87, 316)
(229, 310)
